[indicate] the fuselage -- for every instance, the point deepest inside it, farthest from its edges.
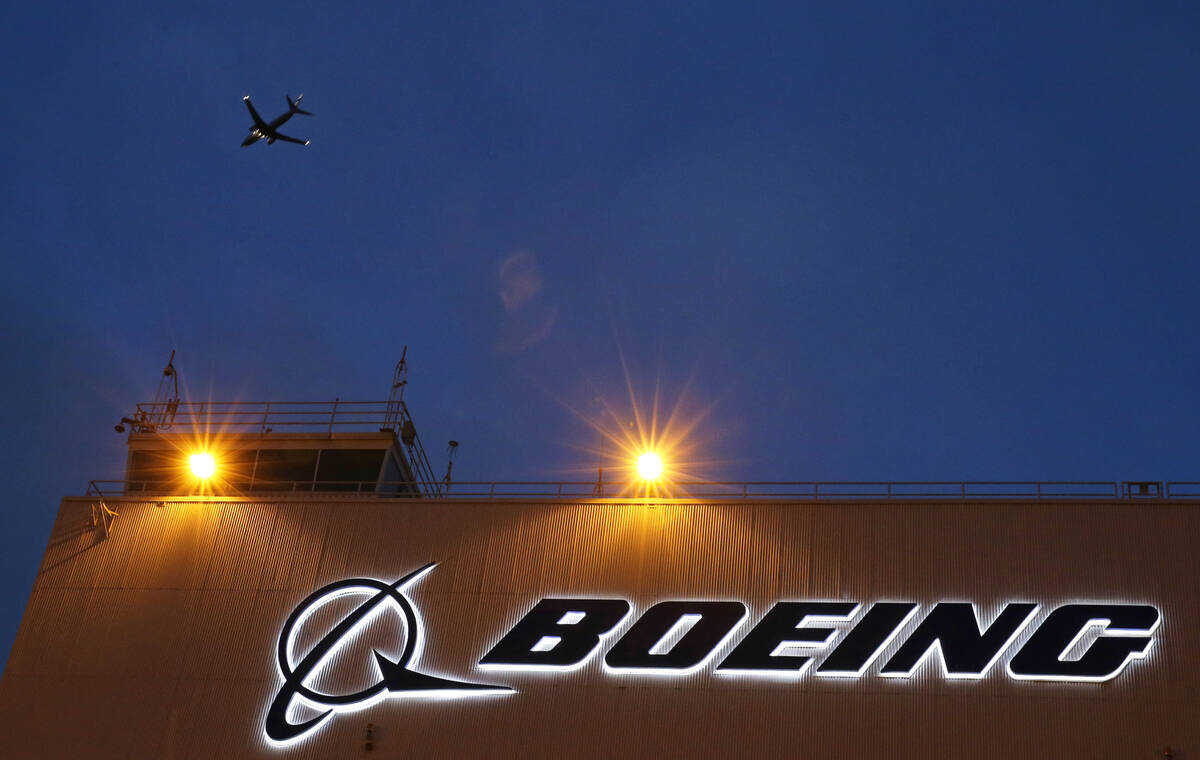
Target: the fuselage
(257, 133)
(279, 122)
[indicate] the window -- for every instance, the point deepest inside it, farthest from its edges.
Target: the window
(285, 470)
(349, 469)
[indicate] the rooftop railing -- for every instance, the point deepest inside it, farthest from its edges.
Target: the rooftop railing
(267, 416)
(744, 490)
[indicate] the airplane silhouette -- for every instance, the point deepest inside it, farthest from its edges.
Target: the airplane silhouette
(260, 129)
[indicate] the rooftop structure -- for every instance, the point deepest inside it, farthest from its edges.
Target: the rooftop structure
(361, 446)
(272, 447)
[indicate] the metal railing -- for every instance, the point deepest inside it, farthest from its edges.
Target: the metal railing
(266, 416)
(744, 490)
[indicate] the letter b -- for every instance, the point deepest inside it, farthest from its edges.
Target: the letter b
(557, 634)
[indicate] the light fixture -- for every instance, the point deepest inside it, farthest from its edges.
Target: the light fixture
(650, 466)
(202, 465)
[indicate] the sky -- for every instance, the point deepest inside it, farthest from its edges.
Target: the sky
(841, 241)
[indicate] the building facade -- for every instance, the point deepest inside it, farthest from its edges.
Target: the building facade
(344, 625)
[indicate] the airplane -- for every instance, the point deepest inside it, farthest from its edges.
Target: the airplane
(260, 129)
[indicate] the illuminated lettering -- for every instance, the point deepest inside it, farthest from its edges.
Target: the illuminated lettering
(764, 651)
(1126, 636)
(882, 623)
(952, 630)
(699, 629)
(557, 634)
(1075, 642)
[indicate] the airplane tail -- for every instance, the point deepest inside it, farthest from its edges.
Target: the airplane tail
(295, 106)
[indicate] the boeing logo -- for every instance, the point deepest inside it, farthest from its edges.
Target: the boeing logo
(1078, 641)
(396, 677)
(1074, 642)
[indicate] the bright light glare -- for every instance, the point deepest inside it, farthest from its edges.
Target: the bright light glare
(203, 465)
(650, 465)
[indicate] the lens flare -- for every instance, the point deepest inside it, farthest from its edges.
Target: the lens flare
(202, 465)
(650, 466)
(648, 446)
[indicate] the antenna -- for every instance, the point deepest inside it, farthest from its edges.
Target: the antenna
(398, 421)
(396, 397)
(451, 450)
(166, 400)
(598, 489)
(161, 414)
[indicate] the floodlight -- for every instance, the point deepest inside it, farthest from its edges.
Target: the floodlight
(203, 465)
(650, 465)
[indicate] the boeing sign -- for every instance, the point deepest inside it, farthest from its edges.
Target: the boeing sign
(792, 639)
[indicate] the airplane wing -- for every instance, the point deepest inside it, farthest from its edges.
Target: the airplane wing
(258, 122)
(290, 139)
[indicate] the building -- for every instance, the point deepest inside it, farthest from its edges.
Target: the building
(324, 595)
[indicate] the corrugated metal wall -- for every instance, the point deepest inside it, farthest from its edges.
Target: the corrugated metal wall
(160, 641)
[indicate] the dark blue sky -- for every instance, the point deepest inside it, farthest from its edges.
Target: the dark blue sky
(875, 241)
